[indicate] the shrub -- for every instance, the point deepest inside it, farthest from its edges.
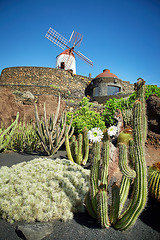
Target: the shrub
(125, 105)
(152, 89)
(112, 105)
(54, 86)
(42, 190)
(84, 117)
(25, 139)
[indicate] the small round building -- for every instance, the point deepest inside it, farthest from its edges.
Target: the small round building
(106, 85)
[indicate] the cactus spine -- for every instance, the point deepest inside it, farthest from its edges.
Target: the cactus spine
(52, 131)
(5, 135)
(96, 200)
(78, 149)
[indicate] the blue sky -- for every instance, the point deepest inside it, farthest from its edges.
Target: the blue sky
(123, 36)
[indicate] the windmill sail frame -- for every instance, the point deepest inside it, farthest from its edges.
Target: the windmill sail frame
(56, 38)
(62, 42)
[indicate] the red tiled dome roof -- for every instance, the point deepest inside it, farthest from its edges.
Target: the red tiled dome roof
(67, 52)
(106, 73)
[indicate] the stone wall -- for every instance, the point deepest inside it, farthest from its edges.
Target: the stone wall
(43, 80)
(52, 81)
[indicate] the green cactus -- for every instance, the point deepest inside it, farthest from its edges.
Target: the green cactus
(135, 173)
(123, 162)
(127, 116)
(115, 207)
(139, 195)
(124, 137)
(154, 181)
(102, 207)
(123, 193)
(78, 149)
(52, 131)
(5, 135)
(140, 94)
(96, 198)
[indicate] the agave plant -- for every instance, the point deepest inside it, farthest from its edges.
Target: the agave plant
(5, 135)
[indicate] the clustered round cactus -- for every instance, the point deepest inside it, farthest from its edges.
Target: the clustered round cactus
(154, 181)
(42, 190)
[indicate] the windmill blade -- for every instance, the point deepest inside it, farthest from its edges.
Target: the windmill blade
(71, 36)
(84, 58)
(57, 38)
(76, 38)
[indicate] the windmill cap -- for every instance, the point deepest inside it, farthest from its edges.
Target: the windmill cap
(67, 52)
(106, 73)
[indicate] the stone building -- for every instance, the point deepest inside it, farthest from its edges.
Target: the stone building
(107, 85)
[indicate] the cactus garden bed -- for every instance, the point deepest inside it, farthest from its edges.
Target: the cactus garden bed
(82, 226)
(46, 196)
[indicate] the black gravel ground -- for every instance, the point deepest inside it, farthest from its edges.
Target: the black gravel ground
(83, 227)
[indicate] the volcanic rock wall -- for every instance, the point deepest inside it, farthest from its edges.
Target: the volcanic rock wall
(51, 81)
(43, 80)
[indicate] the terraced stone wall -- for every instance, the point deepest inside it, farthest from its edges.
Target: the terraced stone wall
(43, 80)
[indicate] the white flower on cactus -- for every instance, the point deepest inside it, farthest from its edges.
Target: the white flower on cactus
(112, 130)
(95, 135)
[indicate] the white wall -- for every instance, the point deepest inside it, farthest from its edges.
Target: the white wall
(69, 60)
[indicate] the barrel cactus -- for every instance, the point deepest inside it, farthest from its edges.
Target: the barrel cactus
(154, 181)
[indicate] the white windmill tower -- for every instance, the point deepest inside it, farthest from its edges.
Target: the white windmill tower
(66, 59)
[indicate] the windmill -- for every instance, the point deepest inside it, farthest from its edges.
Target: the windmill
(66, 59)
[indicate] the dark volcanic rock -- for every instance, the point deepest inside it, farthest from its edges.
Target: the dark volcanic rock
(9, 106)
(153, 113)
(34, 231)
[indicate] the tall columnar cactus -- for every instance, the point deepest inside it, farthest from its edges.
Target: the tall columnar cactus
(135, 173)
(154, 181)
(140, 94)
(96, 198)
(5, 135)
(52, 131)
(139, 195)
(78, 149)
